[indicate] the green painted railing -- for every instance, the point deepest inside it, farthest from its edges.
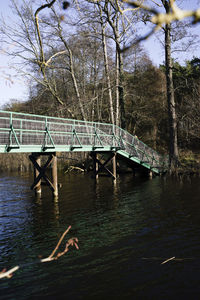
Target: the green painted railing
(34, 133)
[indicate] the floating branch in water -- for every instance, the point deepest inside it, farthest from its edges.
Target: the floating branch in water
(9, 273)
(71, 242)
(73, 168)
(169, 259)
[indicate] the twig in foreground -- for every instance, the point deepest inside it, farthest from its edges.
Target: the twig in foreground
(8, 273)
(71, 242)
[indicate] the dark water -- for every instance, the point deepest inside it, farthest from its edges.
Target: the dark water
(125, 231)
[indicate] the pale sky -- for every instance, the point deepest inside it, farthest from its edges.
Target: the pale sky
(14, 87)
(11, 86)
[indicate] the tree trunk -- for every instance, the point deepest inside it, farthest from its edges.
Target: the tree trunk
(121, 90)
(173, 145)
(71, 65)
(120, 119)
(105, 53)
(113, 21)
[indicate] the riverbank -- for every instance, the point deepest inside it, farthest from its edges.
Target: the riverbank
(73, 161)
(189, 163)
(13, 162)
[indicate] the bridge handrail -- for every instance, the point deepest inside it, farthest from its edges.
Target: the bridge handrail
(51, 131)
(146, 152)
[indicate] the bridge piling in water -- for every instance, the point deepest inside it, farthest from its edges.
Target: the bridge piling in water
(40, 173)
(99, 166)
(55, 176)
(38, 189)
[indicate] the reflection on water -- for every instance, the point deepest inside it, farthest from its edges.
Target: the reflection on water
(125, 230)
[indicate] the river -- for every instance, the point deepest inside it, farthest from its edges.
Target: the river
(125, 231)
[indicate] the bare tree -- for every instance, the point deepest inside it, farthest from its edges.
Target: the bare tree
(104, 44)
(37, 51)
(112, 13)
(115, 30)
(173, 150)
(172, 13)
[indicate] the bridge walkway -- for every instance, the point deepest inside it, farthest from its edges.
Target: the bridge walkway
(25, 133)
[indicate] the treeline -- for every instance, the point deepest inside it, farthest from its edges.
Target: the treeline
(145, 103)
(85, 64)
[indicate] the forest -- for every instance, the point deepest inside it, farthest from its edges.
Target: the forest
(84, 60)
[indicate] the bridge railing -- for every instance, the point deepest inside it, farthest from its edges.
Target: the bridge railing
(145, 154)
(21, 131)
(28, 133)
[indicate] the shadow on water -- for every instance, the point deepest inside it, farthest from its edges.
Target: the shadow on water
(125, 230)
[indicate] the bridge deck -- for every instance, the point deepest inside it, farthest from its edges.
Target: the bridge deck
(22, 133)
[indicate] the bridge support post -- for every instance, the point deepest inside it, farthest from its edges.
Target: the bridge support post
(55, 176)
(40, 172)
(38, 189)
(94, 156)
(150, 174)
(114, 162)
(99, 166)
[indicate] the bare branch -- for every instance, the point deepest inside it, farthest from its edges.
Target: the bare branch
(9, 273)
(71, 242)
(42, 58)
(56, 54)
(159, 19)
(176, 14)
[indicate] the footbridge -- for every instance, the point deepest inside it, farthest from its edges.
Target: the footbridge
(44, 135)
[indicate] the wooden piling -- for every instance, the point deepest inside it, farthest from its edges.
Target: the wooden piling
(40, 172)
(150, 174)
(114, 162)
(38, 189)
(99, 166)
(96, 165)
(55, 176)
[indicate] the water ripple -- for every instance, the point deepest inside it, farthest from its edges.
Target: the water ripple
(117, 226)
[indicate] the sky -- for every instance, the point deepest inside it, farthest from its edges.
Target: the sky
(11, 86)
(15, 87)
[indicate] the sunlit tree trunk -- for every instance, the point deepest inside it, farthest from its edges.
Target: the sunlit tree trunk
(120, 107)
(71, 67)
(121, 87)
(105, 53)
(173, 144)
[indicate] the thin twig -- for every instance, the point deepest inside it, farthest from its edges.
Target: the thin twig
(159, 19)
(167, 260)
(142, 38)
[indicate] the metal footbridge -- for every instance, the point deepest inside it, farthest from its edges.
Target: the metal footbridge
(21, 133)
